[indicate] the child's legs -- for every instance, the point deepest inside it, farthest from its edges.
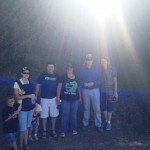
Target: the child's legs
(35, 128)
(30, 131)
(14, 145)
(11, 139)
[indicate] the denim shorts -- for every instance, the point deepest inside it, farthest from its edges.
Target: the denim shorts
(11, 137)
(25, 118)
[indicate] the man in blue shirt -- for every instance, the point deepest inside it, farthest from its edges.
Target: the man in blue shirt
(89, 75)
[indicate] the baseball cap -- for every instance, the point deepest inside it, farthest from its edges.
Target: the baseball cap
(69, 66)
(89, 56)
(24, 69)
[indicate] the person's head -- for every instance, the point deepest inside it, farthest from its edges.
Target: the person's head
(89, 60)
(25, 72)
(10, 101)
(104, 62)
(50, 67)
(38, 108)
(69, 69)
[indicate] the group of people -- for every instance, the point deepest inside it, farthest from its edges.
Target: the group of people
(93, 85)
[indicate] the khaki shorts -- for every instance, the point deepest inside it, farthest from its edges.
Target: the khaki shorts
(49, 108)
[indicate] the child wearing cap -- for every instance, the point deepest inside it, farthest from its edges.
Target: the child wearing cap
(10, 122)
(35, 123)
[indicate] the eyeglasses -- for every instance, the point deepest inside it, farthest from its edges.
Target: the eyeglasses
(26, 72)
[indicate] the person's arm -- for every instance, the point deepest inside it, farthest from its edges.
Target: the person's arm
(37, 89)
(80, 95)
(11, 116)
(58, 92)
(6, 117)
(115, 87)
(19, 109)
(22, 97)
(114, 74)
(38, 120)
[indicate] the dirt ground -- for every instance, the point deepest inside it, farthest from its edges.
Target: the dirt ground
(130, 130)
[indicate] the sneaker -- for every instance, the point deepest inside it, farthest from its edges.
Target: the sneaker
(30, 138)
(62, 134)
(74, 132)
(27, 147)
(44, 135)
(104, 124)
(53, 133)
(36, 137)
(108, 127)
(20, 148)
(100, 129)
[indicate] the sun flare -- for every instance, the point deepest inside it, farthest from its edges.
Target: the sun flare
(104, 9)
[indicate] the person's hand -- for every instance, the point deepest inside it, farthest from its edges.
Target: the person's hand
(86, 84)
(16, 112)
(58, 101)
(116, 94)
(90, 84)
(32, 96)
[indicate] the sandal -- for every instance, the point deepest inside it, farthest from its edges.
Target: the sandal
(53, 133)
(27, 147)
(20, 148)
(44, 135)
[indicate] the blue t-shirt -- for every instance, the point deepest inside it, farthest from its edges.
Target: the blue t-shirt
(49, 83)
(69, 89)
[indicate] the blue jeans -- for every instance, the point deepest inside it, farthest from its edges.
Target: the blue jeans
(91, 96)
(25, 118)
(69, 115)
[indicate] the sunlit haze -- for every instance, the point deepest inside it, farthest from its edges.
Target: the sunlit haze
(66, 30)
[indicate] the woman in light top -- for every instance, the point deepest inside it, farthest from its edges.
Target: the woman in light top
(24, 94)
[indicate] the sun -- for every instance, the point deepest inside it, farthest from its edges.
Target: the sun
(104, 9)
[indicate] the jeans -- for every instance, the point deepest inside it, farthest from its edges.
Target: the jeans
(25, 118)
(69, 115)
(91, 96)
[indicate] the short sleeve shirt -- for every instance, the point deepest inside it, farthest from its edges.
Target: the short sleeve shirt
(107, 77)
(10, 126)
(48, 83)
(69, 89)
